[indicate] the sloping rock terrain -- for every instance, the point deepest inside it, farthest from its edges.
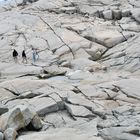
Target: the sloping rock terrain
(85, 84)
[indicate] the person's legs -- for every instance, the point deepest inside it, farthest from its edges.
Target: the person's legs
(37, 55)
(15, 59)
(34, 58)
(24, 60)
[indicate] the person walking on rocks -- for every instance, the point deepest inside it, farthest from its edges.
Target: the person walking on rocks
(35, 55)
(15, 55)
(24, 57)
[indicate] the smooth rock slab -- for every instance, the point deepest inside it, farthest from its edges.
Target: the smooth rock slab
(130, 87)
(59, 134)
(68, 9)
(44, 105)
(20, 70)
(136, 14)
(92, 91)
(105, 36)
(78, 111)
(79, 75)
(86, 64)
(85, 126)
(108, 38)
(80, 100)
(55, 70)
(117, 133)
(21, 86)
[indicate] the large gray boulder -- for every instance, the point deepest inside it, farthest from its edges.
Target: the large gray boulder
(19, 117)
(12, 119)
(108, 14)
(60, 133)
(36, 123)
(86, 64)
(117, 14)
(31, 117)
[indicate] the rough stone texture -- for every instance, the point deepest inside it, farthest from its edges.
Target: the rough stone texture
(42, 108)
(13, 119)
(36, 123)
(85, 83)
(3, 109)
(18, 118)
(108, 14)
(27, 114)
(10, 134)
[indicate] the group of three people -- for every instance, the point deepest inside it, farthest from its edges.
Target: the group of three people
(35, 56)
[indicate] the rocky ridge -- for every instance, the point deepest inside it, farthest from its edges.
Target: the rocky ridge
(85, 84)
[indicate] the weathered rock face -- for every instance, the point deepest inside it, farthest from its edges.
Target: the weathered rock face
(10, 134)
(16, 119)
(82, 75)
(124, 56)
(13, 119)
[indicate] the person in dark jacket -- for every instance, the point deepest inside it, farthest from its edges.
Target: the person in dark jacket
(15, 55)
(24, 57)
